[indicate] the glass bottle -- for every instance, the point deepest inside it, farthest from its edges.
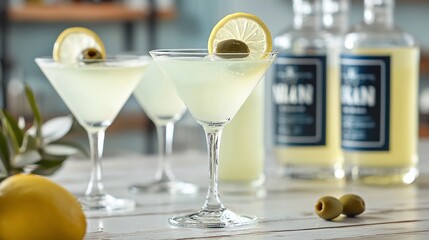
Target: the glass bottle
(242, 149)
(335, 21)
(379, 88)
(335, 17)
(305, 97)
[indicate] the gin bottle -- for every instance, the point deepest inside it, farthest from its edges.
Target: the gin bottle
(335, 18)
(335, 21)
(305, 98)
(379, 88)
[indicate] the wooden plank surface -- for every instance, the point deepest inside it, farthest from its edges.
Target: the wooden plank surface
(285, 212)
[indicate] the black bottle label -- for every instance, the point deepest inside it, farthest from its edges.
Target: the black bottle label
(299, 100)
(365, 102)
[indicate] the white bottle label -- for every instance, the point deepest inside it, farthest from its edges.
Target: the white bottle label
(365, 102)
(299, 100)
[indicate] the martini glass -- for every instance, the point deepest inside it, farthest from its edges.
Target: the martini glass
(95, 91)
(213, 87)
(159, 100)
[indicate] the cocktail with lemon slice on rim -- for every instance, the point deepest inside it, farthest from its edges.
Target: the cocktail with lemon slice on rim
(94, 89)
(214, 84)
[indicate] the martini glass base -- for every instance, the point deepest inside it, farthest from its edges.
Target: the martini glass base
(159, 186)
(106, 202)
(212, 219)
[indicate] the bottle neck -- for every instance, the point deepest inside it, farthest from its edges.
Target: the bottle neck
(307, 14)
(335, 15)
(379, 12)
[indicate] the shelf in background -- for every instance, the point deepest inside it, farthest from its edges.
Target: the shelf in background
(83, 12)
(424, 62)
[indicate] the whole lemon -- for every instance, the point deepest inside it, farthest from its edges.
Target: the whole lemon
(33, 207)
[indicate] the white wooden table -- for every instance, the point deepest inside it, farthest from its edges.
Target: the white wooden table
(286, 212)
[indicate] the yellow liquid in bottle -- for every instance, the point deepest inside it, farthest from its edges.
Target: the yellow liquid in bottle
(242, 143)
(398, 164)
(319, 161)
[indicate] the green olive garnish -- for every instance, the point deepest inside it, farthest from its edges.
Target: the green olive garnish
(353, 205)
(90, 54)
(328, 207)
(232, 46)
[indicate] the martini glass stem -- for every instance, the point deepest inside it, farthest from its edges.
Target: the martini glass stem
(165, 145)
(96, 142)
(213, 136)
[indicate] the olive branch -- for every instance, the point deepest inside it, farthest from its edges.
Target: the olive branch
(37, 149)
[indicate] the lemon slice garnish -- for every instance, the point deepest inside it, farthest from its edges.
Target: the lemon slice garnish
(73, 41)
(245, 27)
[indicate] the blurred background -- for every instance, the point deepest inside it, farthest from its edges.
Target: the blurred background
(28, 29)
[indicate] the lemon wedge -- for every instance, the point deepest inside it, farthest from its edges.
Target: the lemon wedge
(73, 41)
(245, 27)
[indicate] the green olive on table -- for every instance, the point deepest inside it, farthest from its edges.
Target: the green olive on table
(328, 207)
(353, 205)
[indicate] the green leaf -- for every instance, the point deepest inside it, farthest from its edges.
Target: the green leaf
(21, 122)
(15, 134)
(4, 172)
(76, 146)
(51, 160)
(54, 129)
(4, 152)
(49, 164)
(33, 104)
(60, 150)
(46, 171)
(26, 158)
(29, 143)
